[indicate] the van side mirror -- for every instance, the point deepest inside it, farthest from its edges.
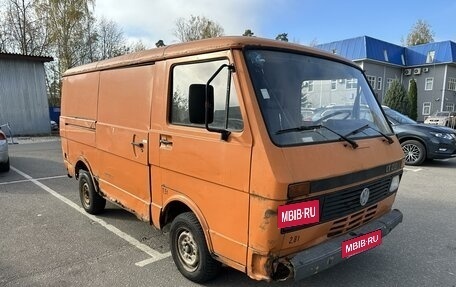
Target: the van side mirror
(197, 103)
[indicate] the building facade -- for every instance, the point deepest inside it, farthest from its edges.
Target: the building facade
(23, 97)
(432, 66)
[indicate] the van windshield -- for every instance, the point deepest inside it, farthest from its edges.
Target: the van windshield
(308, 100)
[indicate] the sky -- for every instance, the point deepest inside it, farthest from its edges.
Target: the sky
(305, 21)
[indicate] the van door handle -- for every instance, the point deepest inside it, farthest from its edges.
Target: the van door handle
(136, 144)
(165, 142)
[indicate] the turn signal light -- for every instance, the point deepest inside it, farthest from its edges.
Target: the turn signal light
(298, 189)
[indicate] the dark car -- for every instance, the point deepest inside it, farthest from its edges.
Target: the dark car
(54, 126)
(420, 141)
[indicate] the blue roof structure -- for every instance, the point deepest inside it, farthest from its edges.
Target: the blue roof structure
(368, 48)
(445, 52)
(353, 49)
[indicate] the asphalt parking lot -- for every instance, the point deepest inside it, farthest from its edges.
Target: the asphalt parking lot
(48, 240)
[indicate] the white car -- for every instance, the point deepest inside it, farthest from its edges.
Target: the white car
(4, 157)
(447, 119)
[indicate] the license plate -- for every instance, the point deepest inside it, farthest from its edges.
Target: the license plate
(361, 243)
(295, 214)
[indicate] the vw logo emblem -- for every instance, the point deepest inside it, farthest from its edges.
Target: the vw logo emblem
(364, 197)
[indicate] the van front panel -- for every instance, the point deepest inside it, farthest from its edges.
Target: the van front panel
(322, 136)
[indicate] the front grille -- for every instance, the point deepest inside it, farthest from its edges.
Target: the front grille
(351, 222)
(341, 203)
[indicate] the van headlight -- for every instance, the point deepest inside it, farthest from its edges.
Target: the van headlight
(395, 183)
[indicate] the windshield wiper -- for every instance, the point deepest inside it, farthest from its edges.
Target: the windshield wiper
(315, 127)
(360, 129)
(298, 129)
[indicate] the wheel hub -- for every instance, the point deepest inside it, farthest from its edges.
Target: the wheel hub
(85, 194)
(412, 153)
(188, 250)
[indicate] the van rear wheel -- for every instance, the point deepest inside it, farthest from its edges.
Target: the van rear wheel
(91, 201)
(189, 249)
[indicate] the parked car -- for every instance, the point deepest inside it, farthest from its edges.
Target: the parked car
(54, 126)
(4, 157)
(337, 112)
(307, 113)
(447, 119)
(421, 141)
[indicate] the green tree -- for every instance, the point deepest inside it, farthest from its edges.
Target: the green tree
(24, 28)
(413, 99)
(282, 37)
(196, 28)
(420, 33)
(305, 103)
(137, 46)
(110, 40)
(180, 107)
(72, 37)
(68, 23)
(248, 33)
(3, 36)
(396, 98)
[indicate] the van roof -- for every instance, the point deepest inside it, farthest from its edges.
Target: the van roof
(193, 48)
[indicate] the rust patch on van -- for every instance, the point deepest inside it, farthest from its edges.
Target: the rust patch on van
(264, 224)
(269, 213)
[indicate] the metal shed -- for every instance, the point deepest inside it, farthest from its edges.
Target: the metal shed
(23, 97)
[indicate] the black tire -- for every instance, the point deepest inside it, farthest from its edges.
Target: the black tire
(189, 249)
(4, 167)
(414, 152)
(91, 201)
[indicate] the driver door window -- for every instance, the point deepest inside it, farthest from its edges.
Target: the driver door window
(185, 75)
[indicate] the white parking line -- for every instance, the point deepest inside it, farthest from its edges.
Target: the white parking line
(155, 255)
(27, 180)
(413, 169)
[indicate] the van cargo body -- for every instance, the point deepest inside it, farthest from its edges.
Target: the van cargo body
(234, 146)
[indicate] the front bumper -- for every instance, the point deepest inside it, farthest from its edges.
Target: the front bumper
(442, 149)
(328, 254)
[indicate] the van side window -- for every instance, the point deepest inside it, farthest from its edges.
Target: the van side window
(184, 75)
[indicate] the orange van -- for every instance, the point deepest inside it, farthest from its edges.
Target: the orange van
(272, 158)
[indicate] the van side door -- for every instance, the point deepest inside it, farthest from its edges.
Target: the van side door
(123, 125)
(197, 164)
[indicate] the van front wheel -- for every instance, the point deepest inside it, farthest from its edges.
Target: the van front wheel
(189, 249)
(91, 201)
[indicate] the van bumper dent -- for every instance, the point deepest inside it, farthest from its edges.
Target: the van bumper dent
(328, 254)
